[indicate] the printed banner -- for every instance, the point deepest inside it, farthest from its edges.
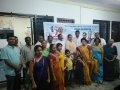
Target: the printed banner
(54, 29)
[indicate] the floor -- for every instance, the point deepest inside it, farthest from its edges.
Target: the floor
(94, 86)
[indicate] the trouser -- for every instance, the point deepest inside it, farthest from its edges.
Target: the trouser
(68, 77)
(25, 75)
(13, 82)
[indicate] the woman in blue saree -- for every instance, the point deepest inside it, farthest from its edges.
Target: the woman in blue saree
(39, 70)
(97, 52)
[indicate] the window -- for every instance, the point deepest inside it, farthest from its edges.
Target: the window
(104, 28)
(115, 32)
(65, 20)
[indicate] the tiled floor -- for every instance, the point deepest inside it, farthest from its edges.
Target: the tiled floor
(94, 86)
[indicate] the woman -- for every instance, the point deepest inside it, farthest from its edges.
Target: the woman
(110, 54)
(45, 50)
(57, 76)
(89, 64)
(39, 70)
(97, 52)
(59, 48)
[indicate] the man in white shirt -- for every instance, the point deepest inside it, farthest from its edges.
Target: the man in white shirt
(70, 44)
(97, 35)
(40, 40)
(49, 41)
(62, 41)
(77, 38)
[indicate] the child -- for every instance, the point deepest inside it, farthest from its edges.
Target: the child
(68, 68)
(79, 70)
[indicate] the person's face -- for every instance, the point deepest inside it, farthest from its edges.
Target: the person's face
(28, 41)
(97, 35)
(97, 42)
(83, 42)
(38, 51)
(16, 41)
(77, 34)
(110, 42)
(11, 41)
(59, 48)
(84, 36)
(50, 39)
(44, 44)
(60, 37)
(70, 38)
(40, 38)
(54, 48)
(68, 54)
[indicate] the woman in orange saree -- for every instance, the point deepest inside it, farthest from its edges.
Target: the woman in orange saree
(57, 76)
(90, 65)
(61, 57)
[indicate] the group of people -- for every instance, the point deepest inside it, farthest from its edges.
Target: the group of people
(49, 65)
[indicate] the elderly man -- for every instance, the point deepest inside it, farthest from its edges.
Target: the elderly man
(97, 35)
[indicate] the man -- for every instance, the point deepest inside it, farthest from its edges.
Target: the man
(13, 65)
(70, 44)
(97, 35)
(50, 41)
(40, 40)
(60, 40)
(16, 41)
(77, 39)
(27, 52)
(85, 37)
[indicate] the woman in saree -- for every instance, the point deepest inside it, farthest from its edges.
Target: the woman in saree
(97, 52)
(90, 65)
(110, 54)
(62, 56)
(39, 70)
(57, 81)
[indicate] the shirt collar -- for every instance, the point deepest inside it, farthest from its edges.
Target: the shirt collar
(10, 46)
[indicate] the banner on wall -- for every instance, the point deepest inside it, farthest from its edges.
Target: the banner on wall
(54, 29)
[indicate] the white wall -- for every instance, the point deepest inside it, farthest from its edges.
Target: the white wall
(41, 7)
(19, 25)
(87, 15)
(58, 9)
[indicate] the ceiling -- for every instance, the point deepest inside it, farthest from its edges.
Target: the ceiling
(114, 4)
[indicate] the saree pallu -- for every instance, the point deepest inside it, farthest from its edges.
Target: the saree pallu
(61, 59)
(97, 54)
(90, 65)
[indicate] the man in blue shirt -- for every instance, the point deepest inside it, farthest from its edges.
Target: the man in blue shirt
(13, 64)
